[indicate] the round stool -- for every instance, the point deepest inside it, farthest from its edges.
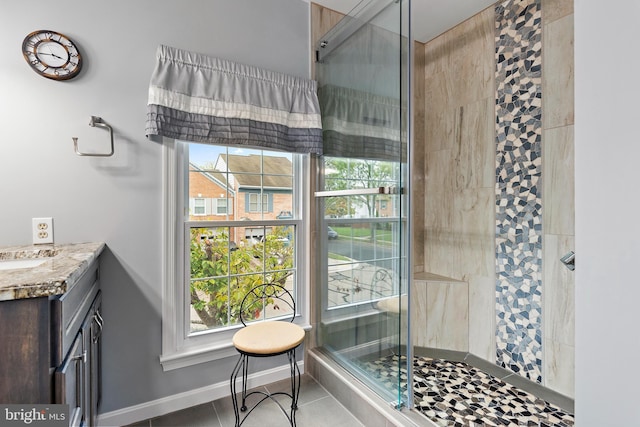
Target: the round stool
(266, 339)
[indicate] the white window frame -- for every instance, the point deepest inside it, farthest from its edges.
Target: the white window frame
(180, 348)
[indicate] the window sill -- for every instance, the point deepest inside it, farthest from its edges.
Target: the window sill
(184, 358)
(193, 356)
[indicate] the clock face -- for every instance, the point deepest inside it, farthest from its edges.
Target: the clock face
(52, 55)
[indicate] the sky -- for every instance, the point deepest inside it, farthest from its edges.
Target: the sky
(203, 154)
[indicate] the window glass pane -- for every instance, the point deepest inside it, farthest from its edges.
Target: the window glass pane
(209, 188)
(198, 207)
(278, 164)
(346, 174)
(210, 258)
(250, 187)
(221, 206)
(243, 161)
(360, 262)
(283, 307)
(222, 272)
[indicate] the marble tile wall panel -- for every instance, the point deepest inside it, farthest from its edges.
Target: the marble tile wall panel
(558, 183)
(475, 251)
(559, 316)
(418, 156)
(466, 76)
(558, 195)
(518, 55)
(482, 324)
(447, 315)
(559, 287)
(558, 74)
(559, 367)
(419, 313)
(459, 158)
(556, 9)
(439, 119)
(473, 149)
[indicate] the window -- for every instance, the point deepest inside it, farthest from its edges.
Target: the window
(199, 207)
(258, 203)
(222, 206)
(230, 239)
(361, 250)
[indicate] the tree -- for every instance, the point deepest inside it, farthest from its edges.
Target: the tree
(356, 174)
(338, 207)
(219, 279)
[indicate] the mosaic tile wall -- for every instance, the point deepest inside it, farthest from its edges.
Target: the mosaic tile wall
(518, 196)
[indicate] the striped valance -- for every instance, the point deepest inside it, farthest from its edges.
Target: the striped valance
(359, 124)
(193, 97)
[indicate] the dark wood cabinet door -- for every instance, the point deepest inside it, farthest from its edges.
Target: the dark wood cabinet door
(25, 351)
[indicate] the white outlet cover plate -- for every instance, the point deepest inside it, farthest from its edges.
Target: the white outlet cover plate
(42, 230)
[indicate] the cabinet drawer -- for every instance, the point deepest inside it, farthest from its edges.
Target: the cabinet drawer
(68, 313)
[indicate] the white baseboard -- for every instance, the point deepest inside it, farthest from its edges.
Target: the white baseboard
(187, 399)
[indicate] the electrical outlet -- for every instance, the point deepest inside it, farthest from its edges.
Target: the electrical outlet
(42, 229)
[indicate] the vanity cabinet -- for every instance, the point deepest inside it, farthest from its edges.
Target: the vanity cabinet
(51, 347)
(77, 379)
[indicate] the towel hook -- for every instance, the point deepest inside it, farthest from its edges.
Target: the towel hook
(96, 121)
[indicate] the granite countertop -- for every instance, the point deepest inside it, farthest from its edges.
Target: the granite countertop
(63, 266)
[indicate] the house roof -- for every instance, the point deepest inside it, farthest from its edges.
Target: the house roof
(246, 170)
(218, 178)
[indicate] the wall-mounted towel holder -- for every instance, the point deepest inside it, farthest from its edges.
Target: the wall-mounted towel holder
(95, 121)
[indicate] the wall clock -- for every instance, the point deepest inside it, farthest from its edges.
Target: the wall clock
(52, 55)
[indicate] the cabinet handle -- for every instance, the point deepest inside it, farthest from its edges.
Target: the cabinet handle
(99, 319)
(100, 322)
(82, 357)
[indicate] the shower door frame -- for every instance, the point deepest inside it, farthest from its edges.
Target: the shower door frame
(404, 242)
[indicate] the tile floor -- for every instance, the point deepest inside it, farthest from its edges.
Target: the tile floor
(316, 408)
(450, 393)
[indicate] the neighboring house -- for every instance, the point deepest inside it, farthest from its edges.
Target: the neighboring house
(384, 206)
(210, 198)
(246, 177)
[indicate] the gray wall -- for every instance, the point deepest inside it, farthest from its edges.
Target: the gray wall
(118, 200)
(607, 227)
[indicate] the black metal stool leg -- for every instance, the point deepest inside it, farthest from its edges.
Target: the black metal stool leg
(295, 384)
(245, 373)
(234, 378)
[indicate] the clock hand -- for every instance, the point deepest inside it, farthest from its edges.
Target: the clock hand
(52, 54)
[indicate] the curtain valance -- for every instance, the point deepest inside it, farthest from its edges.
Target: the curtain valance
(359, 124)
(193, 97)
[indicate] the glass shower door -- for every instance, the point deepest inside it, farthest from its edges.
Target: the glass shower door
(362, 197)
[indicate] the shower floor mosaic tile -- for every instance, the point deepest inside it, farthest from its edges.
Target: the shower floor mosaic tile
(455, 394)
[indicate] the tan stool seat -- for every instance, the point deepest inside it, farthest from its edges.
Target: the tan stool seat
(268, 337)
